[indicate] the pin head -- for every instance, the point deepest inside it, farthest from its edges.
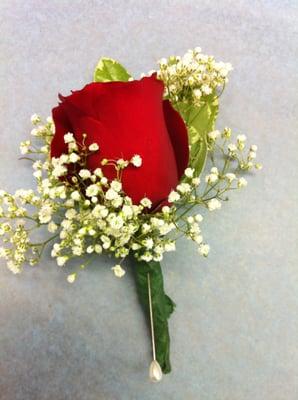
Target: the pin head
(155, 372)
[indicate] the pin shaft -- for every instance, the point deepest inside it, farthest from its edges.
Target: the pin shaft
(151, 317)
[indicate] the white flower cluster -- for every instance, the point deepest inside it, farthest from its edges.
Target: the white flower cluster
(235, 151)
(226, 176)
(192, 77)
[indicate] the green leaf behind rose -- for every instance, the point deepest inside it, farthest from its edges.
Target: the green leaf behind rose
(109, 70)
(200, 121)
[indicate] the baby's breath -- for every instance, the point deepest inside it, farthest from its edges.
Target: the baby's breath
(193, 77)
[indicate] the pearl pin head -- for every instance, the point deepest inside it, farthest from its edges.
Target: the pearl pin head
(155, 372)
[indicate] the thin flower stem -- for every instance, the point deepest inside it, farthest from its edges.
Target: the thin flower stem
(43, 244)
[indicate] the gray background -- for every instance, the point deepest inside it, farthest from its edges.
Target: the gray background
(234, 333)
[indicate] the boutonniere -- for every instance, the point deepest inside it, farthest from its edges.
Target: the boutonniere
(123, 166)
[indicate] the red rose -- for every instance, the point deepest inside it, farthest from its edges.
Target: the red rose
(127, 118)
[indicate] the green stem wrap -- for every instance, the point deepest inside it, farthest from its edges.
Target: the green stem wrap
(162, 307)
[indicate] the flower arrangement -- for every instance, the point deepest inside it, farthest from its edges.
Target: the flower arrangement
(121, 168)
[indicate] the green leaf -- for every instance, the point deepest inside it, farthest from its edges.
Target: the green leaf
(198, 155)
(162, 307)
(200, 121)
(108, 70)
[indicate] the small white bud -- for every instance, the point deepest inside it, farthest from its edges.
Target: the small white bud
(242, 182)
(84, 174)
(68, 138)
(71, 278)
(136, 160)
(118, 271)
(214, 204)
(204, 249)
(173, 196)
(93, 147)
(189, 172)
(35, 119)
(145, 202)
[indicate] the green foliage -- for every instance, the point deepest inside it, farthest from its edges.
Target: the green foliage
(200, 121)
(108, 70)
(162, 307)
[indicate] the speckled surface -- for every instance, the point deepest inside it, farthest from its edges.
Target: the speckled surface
(234, 333)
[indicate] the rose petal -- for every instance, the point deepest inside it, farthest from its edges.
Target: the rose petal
(179, 136)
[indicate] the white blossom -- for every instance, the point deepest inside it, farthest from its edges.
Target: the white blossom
(115, 221)
(241, 138)
(189, 172)
(35, 119)
(146, 228)
(68, 138)
(76, 195)
(118, 271)
(230, 177)
(52, 227)
(204, 249)
(214, 204)
(147, 257)
(147, 203)
(170, 246)
(90, 249)
(93, 147)
(196, 181)
(24, 147)
(98, 172)
(45, 213)
(71, 213)
(198, 239)
(242, 182)
(13, 267)
(211, 178)
(136, 160)
(116, 185)
(37, 174)
(92, 190)
(73, 158)
(59, 170)
(184, 188)
(127, 211)
(197, 93)
(85, 174)
(166, 228)
(111, 194)
(71, 278)
(232, 148)
(214, 135)
(206, 89)
(122, 163)
(61, 260)
(148, 243)
(98, 249)
(198, 218)
(173, 196)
